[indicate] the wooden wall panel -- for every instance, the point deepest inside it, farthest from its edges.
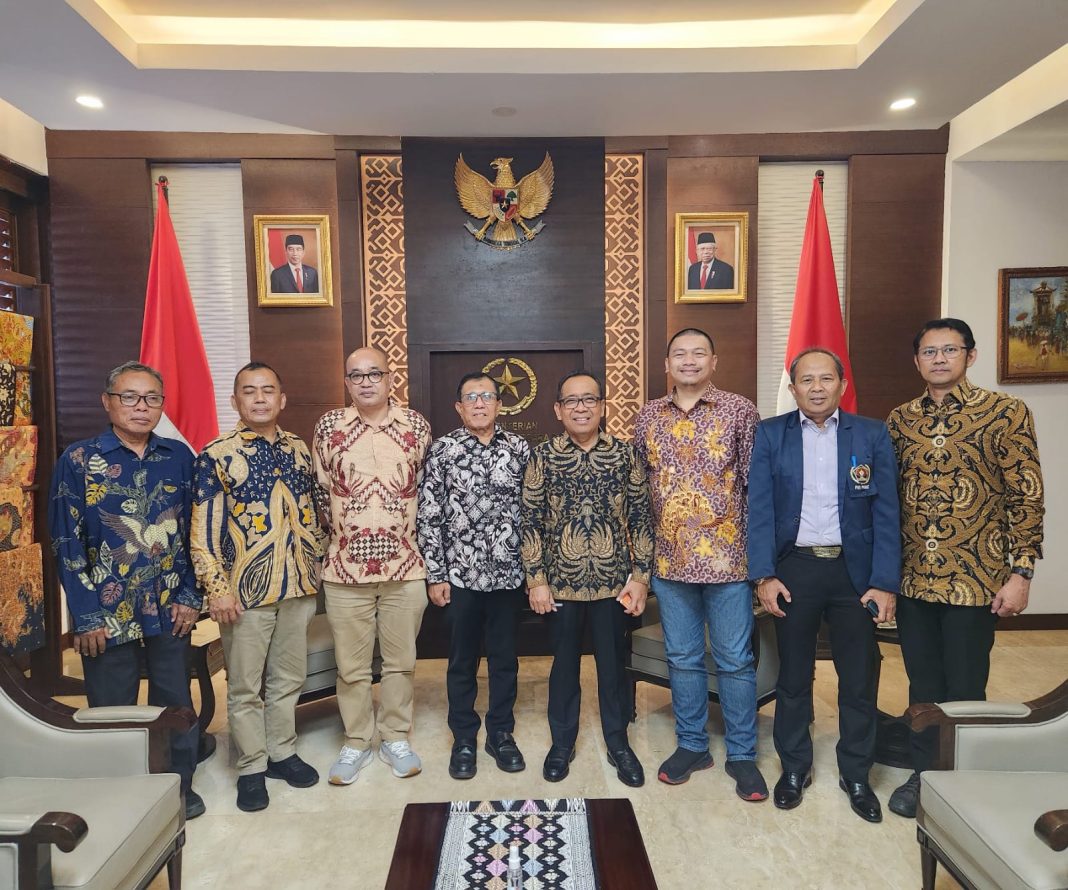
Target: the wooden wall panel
(460, 291)
(350, 258)
(704, 184)
(101, 239)
(303, 344)
(657, 249)
(894, 270)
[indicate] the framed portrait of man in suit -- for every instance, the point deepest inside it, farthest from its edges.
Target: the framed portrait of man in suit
(711, 257)
(293, 260)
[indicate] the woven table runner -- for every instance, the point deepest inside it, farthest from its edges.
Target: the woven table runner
(554, 844)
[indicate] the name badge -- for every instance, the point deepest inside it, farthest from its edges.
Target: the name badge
(861, 476)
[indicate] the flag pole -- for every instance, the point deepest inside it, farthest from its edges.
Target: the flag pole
(167, 192)
(819, 176)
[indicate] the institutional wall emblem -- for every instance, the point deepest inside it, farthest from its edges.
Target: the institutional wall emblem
(504, 204)
(517, 380)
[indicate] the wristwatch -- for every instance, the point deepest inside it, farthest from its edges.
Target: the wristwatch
(1023, 573)
(760, 581)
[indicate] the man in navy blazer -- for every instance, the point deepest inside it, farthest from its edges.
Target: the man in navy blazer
(825, 542)
(284, 279)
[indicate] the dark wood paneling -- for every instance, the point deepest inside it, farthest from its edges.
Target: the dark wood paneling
(657, 250)
(811, 146)
(894, 271)
(351, 258)
(696, 185)
(368, 144)
(101, 239)
(460, 291)
(163, 146)
(303, 344)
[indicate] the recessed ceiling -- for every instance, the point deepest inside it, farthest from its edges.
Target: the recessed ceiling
(589, 68)
(1042, 138)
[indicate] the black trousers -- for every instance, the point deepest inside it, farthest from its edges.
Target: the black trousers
(821, 589)
(475, 615)
(114, 678)
(608, 628)
(947, 658)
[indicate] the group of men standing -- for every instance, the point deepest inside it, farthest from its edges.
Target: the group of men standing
(936, 516)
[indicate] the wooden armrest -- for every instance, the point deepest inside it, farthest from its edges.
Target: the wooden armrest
(962, 714)
(1052, 829)
(169, 720)
(921, 716)
(64, 830)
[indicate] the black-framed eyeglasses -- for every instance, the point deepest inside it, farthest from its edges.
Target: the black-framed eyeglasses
(572, 402)
(358, 378)
(489, 397)
(129, 399)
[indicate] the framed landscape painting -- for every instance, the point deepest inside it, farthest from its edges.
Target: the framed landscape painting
(1033, 325)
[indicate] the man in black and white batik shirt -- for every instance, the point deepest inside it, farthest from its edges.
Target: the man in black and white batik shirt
(468, 530)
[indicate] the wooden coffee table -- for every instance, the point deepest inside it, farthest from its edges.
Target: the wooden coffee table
(618, 851)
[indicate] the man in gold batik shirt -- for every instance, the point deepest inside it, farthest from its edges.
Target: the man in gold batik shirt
(257, 545)
(971, 524)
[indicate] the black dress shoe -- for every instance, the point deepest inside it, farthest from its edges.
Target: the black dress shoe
(556, 765)
(502, 748)
(194, 804)
(863, 800)
(628, 767)
(462, 763)
(791, 788)
(252, 793)
(294, 770)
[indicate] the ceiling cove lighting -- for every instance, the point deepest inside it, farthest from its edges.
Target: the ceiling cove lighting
(90, 101)
(902, 104)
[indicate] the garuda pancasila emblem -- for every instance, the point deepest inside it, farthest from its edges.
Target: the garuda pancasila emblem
(504, 204)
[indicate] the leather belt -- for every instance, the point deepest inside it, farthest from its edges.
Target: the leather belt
(830, 552)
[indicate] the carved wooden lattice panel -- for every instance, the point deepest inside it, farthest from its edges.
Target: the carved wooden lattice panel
(382, 229)
(624, 295)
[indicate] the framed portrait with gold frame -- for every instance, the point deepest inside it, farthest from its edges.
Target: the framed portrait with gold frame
(711, 257)
(293, 260)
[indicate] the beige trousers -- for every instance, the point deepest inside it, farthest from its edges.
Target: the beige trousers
(271, 640)
(393, 610)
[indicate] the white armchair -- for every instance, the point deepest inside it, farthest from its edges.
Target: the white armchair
(994, 812)
(84, 801)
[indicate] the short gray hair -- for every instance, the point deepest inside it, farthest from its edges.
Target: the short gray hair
(137, 367)
(810, 351)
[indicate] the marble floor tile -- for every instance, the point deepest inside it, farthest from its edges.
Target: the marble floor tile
(697, 835)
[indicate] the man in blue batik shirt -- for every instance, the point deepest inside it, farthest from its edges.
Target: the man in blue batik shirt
(119, 519)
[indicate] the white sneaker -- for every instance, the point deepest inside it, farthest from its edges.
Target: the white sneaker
(348, 765)
(401, 758)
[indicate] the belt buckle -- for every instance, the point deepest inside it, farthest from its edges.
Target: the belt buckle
(829, 552)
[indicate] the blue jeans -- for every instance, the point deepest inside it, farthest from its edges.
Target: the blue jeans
(727, 609)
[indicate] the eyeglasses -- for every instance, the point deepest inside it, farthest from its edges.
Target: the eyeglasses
(572, 402)
(374, 376)
(129, 399)
(950, 352)
(471, 397)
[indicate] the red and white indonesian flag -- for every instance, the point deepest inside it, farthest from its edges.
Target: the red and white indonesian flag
(171, 341)
(817, 317)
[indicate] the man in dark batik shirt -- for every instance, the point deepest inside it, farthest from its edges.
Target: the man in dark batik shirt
(468, 532)
(588, 552)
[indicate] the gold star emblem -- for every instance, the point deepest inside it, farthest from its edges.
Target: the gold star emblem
(508, 381)
(514, 371)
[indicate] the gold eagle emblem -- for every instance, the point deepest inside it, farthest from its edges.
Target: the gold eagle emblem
(503, 203)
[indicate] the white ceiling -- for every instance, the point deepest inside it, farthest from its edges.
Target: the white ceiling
(1043, 138)
(744, 66)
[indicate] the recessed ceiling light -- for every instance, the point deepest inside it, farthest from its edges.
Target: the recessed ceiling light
(90, 101)
(503, 111)
(902, 104)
